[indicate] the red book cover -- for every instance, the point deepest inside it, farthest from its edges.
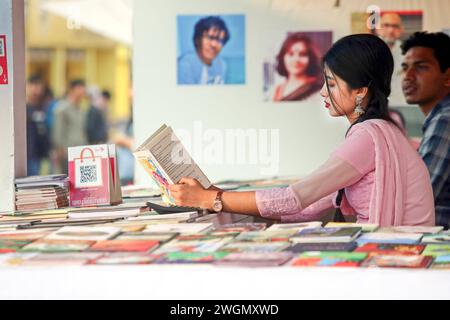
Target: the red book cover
(125, 245)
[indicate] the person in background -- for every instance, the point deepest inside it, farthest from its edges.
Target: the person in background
(125, 146)
(38, 140)
(299, 63)
(50, 104)
(426, 82)
(391, 31)
(205, 66)
(69, 128)
(96, 123)
(375, 175)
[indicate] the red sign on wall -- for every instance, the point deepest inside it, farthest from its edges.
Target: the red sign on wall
(3, 61)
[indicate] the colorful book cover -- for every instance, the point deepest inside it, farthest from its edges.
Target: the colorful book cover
(192, 257)
(436, 250)
(128, 258)
(241, 227)
(400, 238)
(10, 246)
(326, 235)
(330, 259)
(412, 229)
(364, 226)
(254, 259)
(24, 235)
(263, 247)
(441, 263)
(159, 179)
(266, 236)
(440, 238)
(391, 249)
(323, 247)
(400, 261)
(185, 245)
(182, 228)
(125, 246)
(45, 245)
(161, 237)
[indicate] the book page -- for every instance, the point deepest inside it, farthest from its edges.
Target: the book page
(174, 159)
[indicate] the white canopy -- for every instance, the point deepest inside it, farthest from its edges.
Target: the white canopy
(110, 18)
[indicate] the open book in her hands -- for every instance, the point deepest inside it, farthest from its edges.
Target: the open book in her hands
(166, 160)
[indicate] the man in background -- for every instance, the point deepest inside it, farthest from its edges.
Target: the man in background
(69, 129)
(426, 82)
(205, 66)
(38, 140)
(391, 32)
(97, 126)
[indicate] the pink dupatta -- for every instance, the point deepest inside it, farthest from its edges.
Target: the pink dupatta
(387, 205)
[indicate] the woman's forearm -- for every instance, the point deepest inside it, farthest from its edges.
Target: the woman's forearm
(240, 202)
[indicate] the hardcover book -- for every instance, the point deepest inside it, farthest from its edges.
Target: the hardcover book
(182, 228)
(364, 226)
(319, 235)
(440, 238)
(10, 246)
(441, 263)
(84, 233)
(323, 247)
(330, 259)
(254, 259)
(379, 237)
(194, 243)
(191, 257)
(128, 258)
(125, 246)
(400, 261)
(436, 250)
(161, 237)
(266, 236)
(264, 247)
(391, 249)
(45, 245)
(412, 229)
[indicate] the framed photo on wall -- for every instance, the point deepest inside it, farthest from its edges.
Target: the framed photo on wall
(211, 50)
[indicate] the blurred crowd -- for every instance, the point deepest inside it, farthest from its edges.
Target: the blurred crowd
(54, 125)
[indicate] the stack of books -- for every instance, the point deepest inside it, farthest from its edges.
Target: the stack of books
(42, 193)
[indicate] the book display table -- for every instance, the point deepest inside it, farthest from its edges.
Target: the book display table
(206, 282)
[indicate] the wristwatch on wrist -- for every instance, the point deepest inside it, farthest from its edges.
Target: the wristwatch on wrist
(218, 204)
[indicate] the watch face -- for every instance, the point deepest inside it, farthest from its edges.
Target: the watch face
(217, 206)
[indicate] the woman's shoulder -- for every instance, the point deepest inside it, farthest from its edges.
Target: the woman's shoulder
(367, 125)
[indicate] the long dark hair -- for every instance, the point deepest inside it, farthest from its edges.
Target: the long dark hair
(364, 60)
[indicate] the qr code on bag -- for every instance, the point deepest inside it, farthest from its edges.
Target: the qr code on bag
(88, 174)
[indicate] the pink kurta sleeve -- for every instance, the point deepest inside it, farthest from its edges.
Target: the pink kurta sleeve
(308, 199)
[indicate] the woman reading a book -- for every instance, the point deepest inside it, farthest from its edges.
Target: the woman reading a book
(374, 175)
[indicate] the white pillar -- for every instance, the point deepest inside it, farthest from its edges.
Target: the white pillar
(13, 156)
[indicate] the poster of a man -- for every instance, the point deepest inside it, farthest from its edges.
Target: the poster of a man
(215, 54)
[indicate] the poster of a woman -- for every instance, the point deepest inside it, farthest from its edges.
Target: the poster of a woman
(296, 73)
